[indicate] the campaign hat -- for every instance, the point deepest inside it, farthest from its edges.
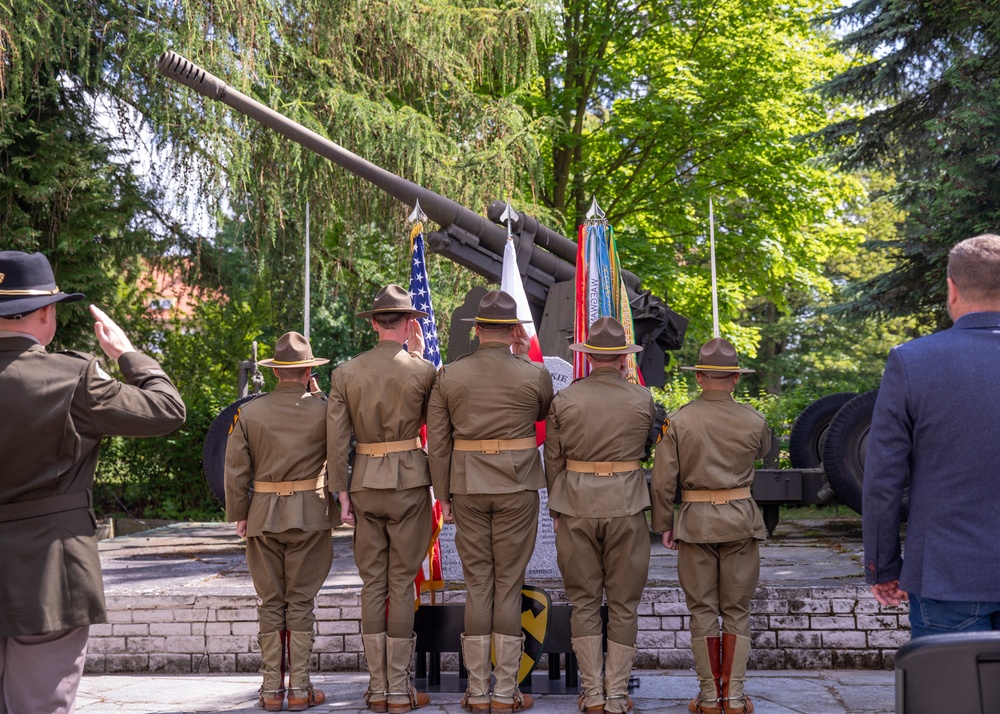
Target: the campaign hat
(393, 298)
(27, 283)
(607, 337)
(718, 355)
(497, 308)
(291, 351)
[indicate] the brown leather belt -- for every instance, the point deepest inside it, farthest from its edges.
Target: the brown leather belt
(381, 448)
(45, 506)
(287, 488)
(494, 446)
(603, 468)
(724, 496)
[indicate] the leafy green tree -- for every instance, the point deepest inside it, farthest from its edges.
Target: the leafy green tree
(927, 74)
(660, 107)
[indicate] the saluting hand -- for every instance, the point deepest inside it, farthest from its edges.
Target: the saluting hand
(522, 343)
(111, 337)
(415, 338)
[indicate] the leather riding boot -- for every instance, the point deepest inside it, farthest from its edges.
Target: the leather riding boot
(301, 694)
(589, 653)
(617, 668)
(476, 654)
(708, 667)
(272, 691)
(376, 698)
(402, 696)
(735, 653)
(506, 696)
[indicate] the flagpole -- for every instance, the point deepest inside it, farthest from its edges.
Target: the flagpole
(715, 286)
(306, 312)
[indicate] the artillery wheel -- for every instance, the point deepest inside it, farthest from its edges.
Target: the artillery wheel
(805, 443)
(213, 454)
(845, 449)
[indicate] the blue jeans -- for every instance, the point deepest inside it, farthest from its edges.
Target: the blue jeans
(939, 617)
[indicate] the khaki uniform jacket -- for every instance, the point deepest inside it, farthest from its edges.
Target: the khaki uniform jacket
(54, 409)
(379, 396)
(710, 444)
(489, 394)
(280, 436)
(599, 418)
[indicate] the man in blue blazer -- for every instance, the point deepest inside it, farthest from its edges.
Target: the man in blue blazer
(936, 428)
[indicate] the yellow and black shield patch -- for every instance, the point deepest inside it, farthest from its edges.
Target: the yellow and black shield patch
(536, 606)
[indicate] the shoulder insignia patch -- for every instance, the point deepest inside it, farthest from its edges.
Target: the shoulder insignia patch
(236, 418)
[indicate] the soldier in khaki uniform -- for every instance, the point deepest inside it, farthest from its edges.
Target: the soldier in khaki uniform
(708, 453)
(595, 436)
(54, 409)
(278, 446)
(381, 397)
(487, 471)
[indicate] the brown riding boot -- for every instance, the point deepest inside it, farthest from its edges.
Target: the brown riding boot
(476, 654)
(617, 668)
(301, 694)
(735, 653)
(377, 695)
(506, 696)
(402, 696)
(271, 696)
(708, 667)
(589, 653)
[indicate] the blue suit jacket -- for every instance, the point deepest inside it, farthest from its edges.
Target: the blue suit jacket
(937, 423)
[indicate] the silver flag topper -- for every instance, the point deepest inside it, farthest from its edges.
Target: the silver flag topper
(594, 213)
(418, 215)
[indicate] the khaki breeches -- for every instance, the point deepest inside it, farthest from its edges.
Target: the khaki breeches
(391, 536)
(719, 580)
(599, 556)
(494, 537)
(288, 569)
(40, 674)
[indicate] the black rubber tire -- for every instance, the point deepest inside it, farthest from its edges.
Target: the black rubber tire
(213, 454)
(805, 443)
(845, 450)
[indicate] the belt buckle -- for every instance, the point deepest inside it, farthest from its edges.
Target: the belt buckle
(604, 468)
(379, 451)
(491, 446)
(285, 488)
(718, 498)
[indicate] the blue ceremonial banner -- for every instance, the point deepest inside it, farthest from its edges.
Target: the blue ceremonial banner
(420, 293)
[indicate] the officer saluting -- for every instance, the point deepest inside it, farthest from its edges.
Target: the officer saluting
(381, 397)
(487, 471)
(598, 498)
(708, 452)
(54, 409)
(278, 445)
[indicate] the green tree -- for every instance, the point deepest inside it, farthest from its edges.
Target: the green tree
(659, 107)
(927, 74)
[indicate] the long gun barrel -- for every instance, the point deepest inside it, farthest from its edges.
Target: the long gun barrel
(545, 258)
(555, 264)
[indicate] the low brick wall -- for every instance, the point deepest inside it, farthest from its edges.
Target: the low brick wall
(793, 628)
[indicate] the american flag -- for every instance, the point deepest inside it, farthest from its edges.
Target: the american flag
(420, 293)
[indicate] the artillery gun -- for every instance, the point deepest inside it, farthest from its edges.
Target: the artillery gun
(546, 259)
(829, 443)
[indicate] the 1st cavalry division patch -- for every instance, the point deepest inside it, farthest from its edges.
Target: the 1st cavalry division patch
(536, 606)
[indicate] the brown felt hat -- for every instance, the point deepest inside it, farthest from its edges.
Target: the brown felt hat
(607, 337)
(718, 355)
(393, 298)
(497, 308)
(292, 350)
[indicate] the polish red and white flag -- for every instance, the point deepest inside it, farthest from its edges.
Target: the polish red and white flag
(510, 283)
